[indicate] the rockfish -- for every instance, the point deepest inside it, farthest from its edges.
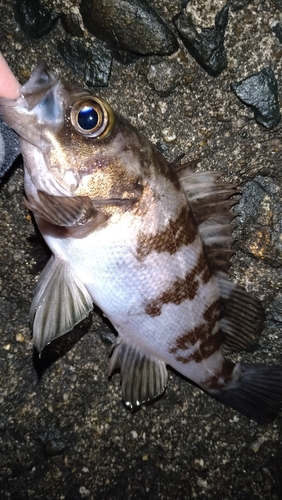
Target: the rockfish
(147, 241)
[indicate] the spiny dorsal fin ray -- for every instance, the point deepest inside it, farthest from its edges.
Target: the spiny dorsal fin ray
(144, 377)
(243, 316)
(61, 301)
(211, 203)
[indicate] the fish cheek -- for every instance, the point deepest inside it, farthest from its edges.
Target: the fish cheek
(110, 181)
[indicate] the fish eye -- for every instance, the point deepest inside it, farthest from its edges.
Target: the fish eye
(87, 118)
(92, 117)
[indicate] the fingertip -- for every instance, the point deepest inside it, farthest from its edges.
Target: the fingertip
(9, 85)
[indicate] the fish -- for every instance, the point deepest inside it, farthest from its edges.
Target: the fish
(147, 241)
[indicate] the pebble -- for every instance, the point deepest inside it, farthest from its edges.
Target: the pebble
(164, 75)
(34, 18)
(205, 44)
(131, 25)
(260, 92)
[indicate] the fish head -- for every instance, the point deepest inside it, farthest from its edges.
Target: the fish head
(73, 143)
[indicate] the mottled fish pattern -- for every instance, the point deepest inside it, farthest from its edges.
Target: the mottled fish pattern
(147, 241)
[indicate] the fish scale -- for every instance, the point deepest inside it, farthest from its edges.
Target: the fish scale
(147, 241)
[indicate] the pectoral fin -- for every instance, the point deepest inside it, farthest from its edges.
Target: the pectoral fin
(66, 211)
(61, 301)
(144, 377)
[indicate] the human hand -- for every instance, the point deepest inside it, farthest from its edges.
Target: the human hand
(9, 145)
(9, 85)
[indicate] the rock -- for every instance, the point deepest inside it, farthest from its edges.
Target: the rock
(70, 23)
(98, 65)
(277, 3)
(206, 44)
(260, 92)
(94, 63)
(34, 18)
(131, 25)
(52, 442)
(275, 308)
(238, 4)
(261, 228)
(277, 30)
(164, 75)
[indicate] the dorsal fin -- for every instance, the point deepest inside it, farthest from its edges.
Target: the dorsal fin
(242, 315)
(211, 202)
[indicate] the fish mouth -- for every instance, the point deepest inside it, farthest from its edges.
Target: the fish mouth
(42, 79)
(40, 104)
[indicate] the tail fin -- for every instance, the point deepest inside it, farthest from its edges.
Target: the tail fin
(255, 391)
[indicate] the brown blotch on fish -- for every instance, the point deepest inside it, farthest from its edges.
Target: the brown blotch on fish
(208, 342)
(180, 231)
(221, 378)
(181, 289)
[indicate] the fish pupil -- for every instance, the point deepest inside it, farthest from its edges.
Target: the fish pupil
(87, 118)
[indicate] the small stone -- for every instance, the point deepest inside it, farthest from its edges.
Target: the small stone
(205, 44)
(20, 337)
(70, 23)
(74, 54)
(202, 483)
(256, 446)
(277, 30)
(164, 75)
(198, 463)
(34, 18)
(275, 308)
(260, 92)
(52, 442)
(169, 135)
(93, 63)
(98, 65)
(277, 3)
(238, 4)
(260, 207)
(131, 25)
(84, 492)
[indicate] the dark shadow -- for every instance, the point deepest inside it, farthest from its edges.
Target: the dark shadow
(40, 251)
(59, 347)
(9, 173)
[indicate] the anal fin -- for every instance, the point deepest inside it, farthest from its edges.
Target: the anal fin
(144, 377)
(61, 301)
